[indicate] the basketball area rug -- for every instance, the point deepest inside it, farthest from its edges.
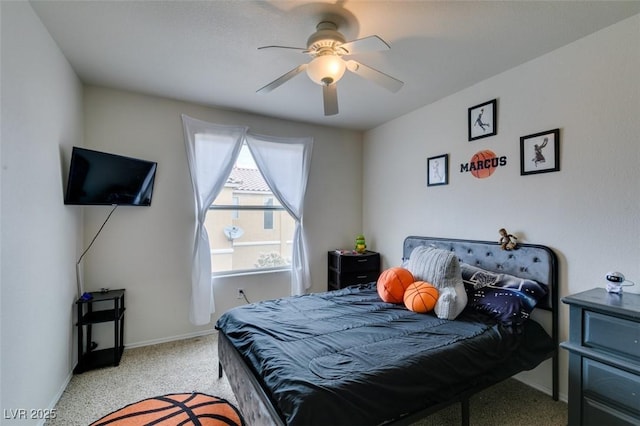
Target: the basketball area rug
(188, 409)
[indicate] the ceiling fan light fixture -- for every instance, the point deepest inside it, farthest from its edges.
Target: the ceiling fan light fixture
(326, 35)
(327, 47)
(326, 69)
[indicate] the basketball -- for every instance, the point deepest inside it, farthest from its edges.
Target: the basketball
(420, 297)
(392, 284)
(176, 409)
(485, 163)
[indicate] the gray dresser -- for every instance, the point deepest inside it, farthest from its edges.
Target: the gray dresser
(604, 358)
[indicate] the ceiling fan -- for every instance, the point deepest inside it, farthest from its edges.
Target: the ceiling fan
(327, 46)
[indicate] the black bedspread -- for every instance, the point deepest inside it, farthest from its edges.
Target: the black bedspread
(345, 357)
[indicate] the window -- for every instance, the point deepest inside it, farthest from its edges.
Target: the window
(248, 228)
(285, 161)
(235, 201)
(268, 214)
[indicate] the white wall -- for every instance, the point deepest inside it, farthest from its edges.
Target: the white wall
(41, 120)
(588, 212)
(147, 250)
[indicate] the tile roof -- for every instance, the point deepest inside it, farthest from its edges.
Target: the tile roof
(247, 180)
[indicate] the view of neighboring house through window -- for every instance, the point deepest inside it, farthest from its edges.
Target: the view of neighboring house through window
(248, 228)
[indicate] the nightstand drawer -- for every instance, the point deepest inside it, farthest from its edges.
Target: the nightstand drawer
(362, 262)
(359, 277)
(611, 385)
(611, 333)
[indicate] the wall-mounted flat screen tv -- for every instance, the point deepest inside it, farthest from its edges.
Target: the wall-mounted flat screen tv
(100, 178)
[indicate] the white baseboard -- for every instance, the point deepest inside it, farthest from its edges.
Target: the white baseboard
(65, 383)
(57, 396)
(561, 395)
(169, 339)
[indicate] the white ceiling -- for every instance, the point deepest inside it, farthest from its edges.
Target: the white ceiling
(206, 51)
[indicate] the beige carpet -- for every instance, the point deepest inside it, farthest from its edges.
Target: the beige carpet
(192, 365)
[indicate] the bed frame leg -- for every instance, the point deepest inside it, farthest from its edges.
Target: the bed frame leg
(555, 376)
(219, 370)
(464, 405)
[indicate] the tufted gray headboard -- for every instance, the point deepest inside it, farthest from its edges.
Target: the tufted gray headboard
(529, 261)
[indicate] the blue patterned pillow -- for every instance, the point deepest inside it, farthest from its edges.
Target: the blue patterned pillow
(504, 297)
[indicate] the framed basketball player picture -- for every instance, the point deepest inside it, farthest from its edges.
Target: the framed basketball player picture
(482, 120)
(438, 170)
(540, 152)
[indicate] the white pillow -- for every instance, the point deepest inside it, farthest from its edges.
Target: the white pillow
(442, 269)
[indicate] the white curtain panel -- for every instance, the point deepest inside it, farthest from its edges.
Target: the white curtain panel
(212, 150)
(285, 163)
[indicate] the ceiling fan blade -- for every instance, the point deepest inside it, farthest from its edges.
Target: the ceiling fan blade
(283, 79)
(330, 98)
(303, 49)
(378, 77)
(368, 44)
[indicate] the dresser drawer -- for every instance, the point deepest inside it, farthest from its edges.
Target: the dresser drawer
(612, 334)
(598, 414)
(611, 385)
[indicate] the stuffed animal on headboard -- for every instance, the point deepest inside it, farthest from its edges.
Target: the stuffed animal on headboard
(507, 241)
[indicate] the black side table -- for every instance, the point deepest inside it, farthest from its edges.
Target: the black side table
(345, 269)
(88, 358)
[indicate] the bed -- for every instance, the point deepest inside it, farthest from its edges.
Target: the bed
(346, 357)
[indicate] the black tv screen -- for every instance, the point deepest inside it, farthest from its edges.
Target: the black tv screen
(100, 178)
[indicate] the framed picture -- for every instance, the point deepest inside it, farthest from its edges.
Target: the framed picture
(540, 152)
(482, 120)
(438, 170)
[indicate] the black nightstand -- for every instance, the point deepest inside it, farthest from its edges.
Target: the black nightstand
(604, 358)
(345, 269)
(113, 301)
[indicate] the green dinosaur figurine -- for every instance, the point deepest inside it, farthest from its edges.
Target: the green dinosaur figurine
(361, 245)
